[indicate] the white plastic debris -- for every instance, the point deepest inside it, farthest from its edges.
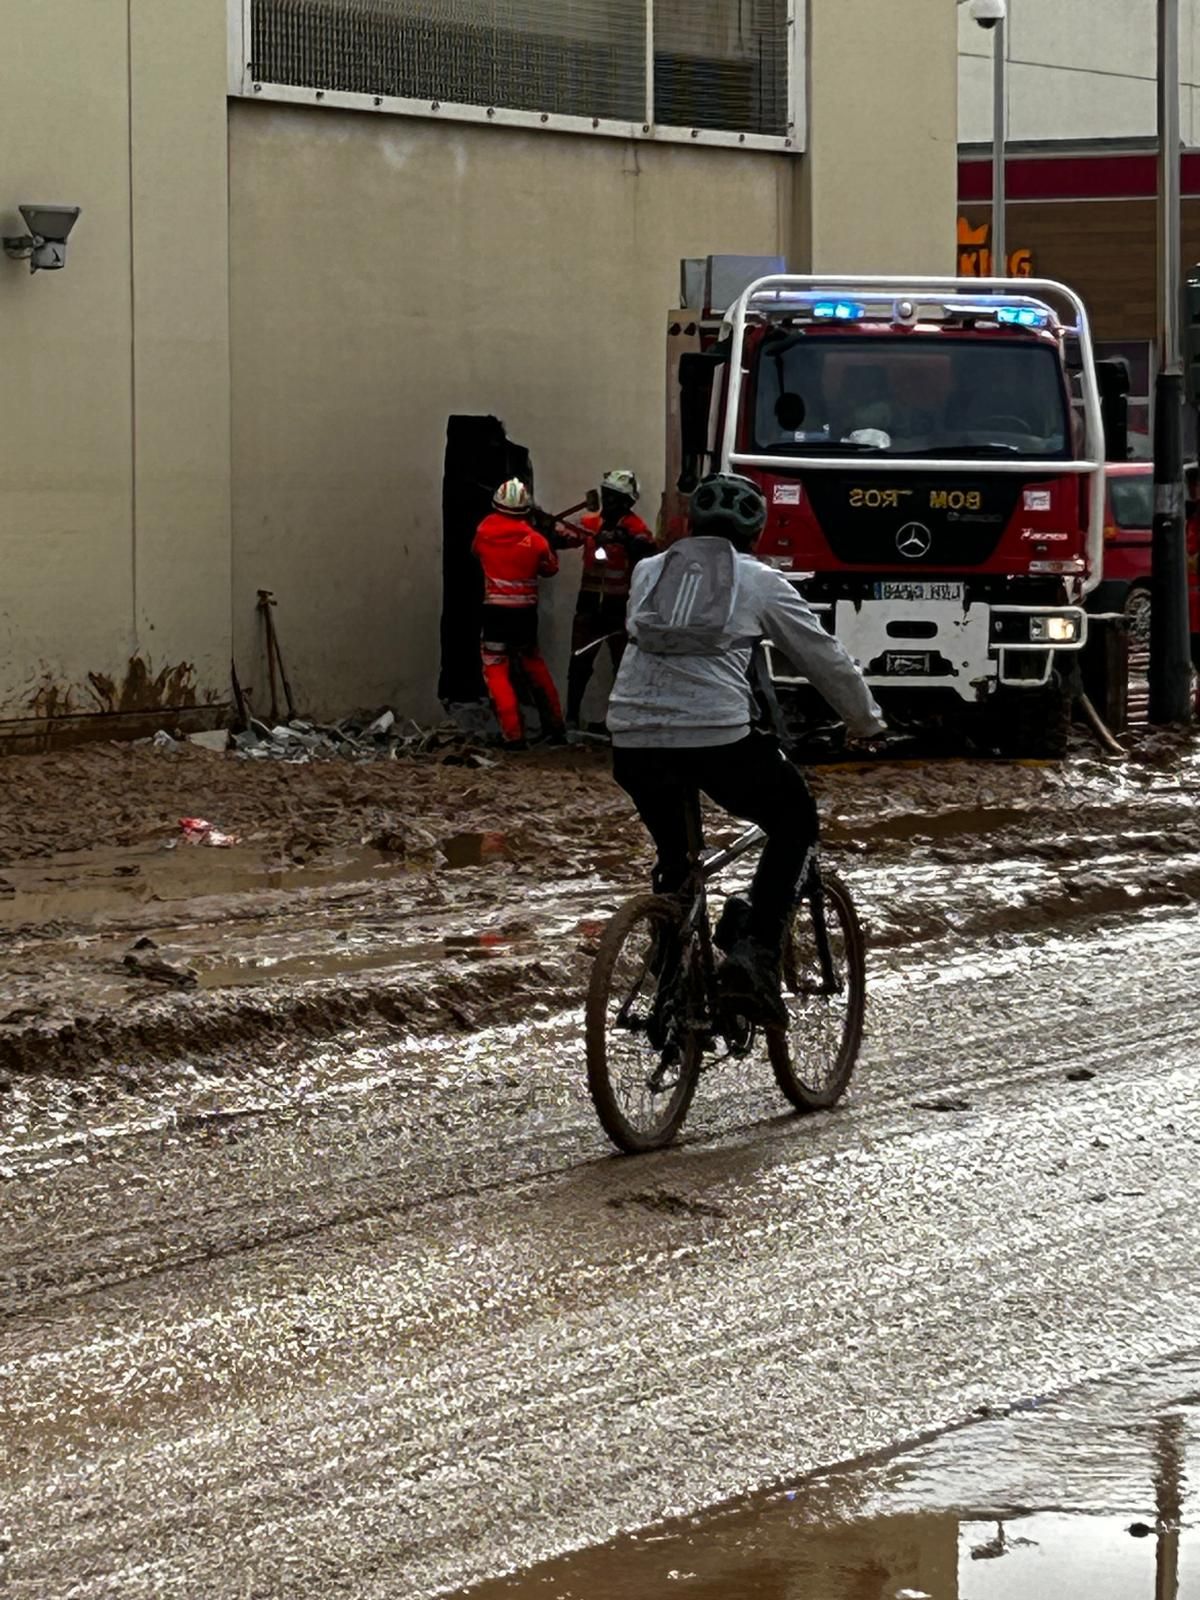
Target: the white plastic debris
(217, 739)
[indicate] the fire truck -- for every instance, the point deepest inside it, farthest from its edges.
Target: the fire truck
(932, 452)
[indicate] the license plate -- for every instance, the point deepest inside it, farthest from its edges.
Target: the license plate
(906, 663)
(918, 591)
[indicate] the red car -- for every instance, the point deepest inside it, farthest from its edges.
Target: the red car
(1128, 539)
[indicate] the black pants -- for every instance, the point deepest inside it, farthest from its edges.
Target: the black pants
(753, 780)
(597, 617)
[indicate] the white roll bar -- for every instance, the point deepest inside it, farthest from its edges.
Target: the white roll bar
(953, 294)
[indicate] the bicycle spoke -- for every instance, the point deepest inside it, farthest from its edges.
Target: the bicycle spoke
(641, 1055)
(814, 1057)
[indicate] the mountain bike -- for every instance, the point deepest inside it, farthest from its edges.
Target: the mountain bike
(655, 1012)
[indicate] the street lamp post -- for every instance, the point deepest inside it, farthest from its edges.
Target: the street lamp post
(1170, 665)
(992, 15)
(999, 149)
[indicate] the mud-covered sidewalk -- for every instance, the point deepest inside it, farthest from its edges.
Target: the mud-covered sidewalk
(429, 894)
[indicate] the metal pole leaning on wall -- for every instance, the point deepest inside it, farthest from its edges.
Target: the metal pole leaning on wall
(1170, 664)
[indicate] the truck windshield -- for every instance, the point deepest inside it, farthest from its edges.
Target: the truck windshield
(909, 396)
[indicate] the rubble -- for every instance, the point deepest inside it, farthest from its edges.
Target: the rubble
(216, 740)
(378, 738)
(197, 831)
(143, 961)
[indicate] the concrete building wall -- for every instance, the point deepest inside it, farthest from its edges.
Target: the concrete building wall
(1078, 69)
(879, 182)
(391, 272)
(114, 435)
(243, 378)
(66, 423)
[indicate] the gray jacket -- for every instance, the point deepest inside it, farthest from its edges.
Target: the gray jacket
(689, 701)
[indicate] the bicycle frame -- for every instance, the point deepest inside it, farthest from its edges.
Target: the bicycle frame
(707, 867)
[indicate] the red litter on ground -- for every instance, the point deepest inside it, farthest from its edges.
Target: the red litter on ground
(197, 831)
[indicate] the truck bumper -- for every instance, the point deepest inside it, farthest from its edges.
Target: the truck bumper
(968, 649)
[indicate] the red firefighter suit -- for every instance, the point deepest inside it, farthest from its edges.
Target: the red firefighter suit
(514, 556)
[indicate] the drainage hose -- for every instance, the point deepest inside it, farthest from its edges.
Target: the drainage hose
(1104, 736)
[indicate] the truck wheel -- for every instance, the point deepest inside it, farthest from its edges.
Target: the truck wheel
(1032, 724)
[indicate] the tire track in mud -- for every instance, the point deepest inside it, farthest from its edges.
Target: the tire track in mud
(416, 1428)
(230, 1071)
(384, 1145)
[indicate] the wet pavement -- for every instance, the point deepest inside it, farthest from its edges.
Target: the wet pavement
(1087, 1496)
(318, 1278)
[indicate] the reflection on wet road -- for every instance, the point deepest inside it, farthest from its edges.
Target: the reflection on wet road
(1085, 1497)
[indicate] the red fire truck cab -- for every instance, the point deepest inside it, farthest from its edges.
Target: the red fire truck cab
(932, 455)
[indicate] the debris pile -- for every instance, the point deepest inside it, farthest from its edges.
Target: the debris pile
(379, 738)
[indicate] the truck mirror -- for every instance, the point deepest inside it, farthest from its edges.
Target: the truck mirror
(790, 412)
(592, 499)
(697, 375)
(1113, 380)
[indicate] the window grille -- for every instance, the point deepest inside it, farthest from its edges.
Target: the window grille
(716, 65)
(722, 65)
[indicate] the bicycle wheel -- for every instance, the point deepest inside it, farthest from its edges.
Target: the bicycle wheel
(643, 1059)
(814, 1057)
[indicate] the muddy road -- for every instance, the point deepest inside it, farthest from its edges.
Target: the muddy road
(316, 1276)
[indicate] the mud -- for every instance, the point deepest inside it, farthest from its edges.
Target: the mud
(423, 896)
(379, 1317)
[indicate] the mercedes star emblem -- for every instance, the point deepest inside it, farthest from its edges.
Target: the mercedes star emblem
(914, 541)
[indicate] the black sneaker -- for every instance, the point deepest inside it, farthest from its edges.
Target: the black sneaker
(749, 982)
(733, 925)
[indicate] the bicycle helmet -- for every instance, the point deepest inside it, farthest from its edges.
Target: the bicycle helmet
(512, 498)
(726, 503)
(623, 483)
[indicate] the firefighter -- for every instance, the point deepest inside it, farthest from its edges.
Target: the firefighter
(616, 541)
(514, 555)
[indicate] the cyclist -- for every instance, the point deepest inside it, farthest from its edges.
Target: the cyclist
(683, 706)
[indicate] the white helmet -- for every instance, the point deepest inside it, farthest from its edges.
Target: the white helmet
(621, 481)
(512, 498)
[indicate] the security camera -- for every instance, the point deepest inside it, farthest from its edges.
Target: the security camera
(987, 13)
(45, 245)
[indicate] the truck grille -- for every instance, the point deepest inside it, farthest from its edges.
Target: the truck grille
(911, 521)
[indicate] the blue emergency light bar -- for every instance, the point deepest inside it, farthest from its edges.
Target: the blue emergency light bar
(1023, 316)
(838, 310)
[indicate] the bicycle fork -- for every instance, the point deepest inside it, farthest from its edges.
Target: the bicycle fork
(813, 891)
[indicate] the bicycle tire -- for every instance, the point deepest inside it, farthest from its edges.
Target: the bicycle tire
(793, 1074)
(652, 911)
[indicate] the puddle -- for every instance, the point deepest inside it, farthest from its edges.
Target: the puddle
(87, 886)
(474, 849)
(344, 961)
(1085, 1498)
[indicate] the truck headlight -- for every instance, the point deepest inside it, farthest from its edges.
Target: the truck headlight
(1053, 630)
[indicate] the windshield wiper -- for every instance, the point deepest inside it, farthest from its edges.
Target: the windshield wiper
(948, 450)
(830, 447)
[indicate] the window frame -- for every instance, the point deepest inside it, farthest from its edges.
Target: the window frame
(243, 86)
